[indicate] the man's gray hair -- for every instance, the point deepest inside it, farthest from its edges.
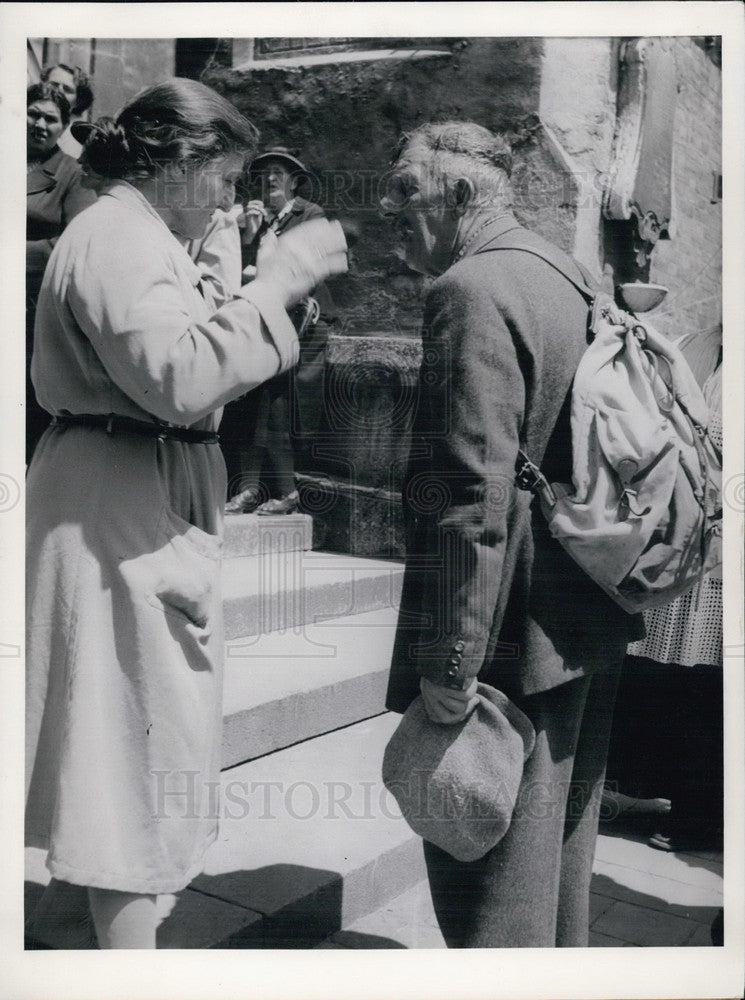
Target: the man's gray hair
(465, 149)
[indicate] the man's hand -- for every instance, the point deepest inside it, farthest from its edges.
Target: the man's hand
(300, 259)
(447, 705)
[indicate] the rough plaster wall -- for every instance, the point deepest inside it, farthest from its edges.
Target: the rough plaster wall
(346, 118)
(124, 66)
(690, 263)
(578, 112)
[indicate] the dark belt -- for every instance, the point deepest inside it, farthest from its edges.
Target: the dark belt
(112, 423)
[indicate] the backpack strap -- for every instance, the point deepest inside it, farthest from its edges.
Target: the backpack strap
(586, 286)
(527, 474)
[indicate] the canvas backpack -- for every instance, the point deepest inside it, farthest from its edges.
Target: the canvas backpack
(643, 513)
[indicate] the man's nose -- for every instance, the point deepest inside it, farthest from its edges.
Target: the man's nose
(388, 206)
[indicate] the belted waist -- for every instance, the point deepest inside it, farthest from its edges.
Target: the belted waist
(112, 423)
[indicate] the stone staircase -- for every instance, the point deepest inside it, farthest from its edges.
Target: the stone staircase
(310, 841)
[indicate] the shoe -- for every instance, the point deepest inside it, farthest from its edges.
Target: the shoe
(686, 841)
(287, 505)
(244, 502)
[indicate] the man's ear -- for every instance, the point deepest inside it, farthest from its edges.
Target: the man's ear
(463, 195)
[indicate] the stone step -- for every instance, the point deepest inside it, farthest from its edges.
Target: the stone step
(250, 535)
(406, 921)
(298, 683)
(310, 842)
(277, 591)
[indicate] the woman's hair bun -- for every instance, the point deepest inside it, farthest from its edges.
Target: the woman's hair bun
(178, 121)
(108, 150)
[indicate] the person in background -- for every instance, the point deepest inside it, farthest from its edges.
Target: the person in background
(124, 506)
(487, 591)
(667, 739)
(55, 194)
(218, 253)
(75, 85)
(259, 433)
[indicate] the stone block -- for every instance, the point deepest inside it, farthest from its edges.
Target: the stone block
(277, 591)
(369, 398)
(290, 686)
(250, 535)
(361, 520)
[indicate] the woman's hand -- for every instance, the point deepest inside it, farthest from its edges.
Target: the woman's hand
(253, 217)
(448, 705)
(300, 259)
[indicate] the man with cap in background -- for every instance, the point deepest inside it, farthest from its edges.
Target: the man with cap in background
(258, 430)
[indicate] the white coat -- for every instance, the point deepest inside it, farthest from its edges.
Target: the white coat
(124, 646)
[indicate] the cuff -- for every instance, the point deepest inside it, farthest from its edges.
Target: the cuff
(453, 664)
(283, 334)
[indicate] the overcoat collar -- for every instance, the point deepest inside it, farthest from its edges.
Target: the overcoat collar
(44, 176)
(298, 207)
(128, 194)
(491, 233)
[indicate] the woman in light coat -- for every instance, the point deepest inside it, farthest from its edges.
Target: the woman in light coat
(124, 503)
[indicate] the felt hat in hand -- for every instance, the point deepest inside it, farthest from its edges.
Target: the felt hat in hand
(457, 785)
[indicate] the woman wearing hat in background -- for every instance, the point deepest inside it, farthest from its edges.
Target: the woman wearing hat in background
(259, 431)
(54, 194)
(124, 503)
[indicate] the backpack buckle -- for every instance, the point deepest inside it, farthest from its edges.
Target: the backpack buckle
(529, 477)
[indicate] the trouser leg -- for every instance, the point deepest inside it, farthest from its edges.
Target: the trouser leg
(583, 810)
(280, 455)
(510, 898)
(696, 790)
(243, 439)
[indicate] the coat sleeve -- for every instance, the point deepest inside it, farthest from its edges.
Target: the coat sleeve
(460, 484)
(72, 199)
(218, 257)
(128, 300)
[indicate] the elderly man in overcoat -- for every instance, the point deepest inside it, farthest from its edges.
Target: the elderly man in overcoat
(487, 592)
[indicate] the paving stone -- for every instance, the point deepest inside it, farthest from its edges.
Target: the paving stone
(656, 892)
(598, 940)
(701, 937)
(194, 920)
(633, 852)
(641, 926)
(598, 904)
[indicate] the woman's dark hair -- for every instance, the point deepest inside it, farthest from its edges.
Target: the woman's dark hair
(83, 90)
(178, 121)
(46, 92)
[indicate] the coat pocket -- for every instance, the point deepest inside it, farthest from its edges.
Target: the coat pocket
(185, 571)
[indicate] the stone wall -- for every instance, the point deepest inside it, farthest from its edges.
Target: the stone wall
(579, 80)
(556, 98)
(346, 118)
(690, 264)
